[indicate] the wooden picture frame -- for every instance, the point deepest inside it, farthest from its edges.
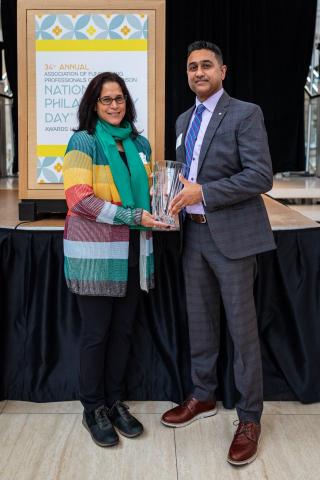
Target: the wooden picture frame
(29, 188)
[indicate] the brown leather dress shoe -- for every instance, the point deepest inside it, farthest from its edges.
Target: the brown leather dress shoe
(190, 410)
(245, 442)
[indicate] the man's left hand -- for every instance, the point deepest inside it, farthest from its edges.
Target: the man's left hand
(189, 195)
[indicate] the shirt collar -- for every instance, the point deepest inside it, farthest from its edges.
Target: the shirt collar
(212, 101)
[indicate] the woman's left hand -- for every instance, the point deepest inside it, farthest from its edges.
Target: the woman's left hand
(148, 220)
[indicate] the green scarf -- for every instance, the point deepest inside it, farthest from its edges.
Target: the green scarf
(133, 188)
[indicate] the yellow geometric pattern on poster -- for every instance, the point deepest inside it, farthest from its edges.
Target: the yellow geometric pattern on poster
(92, 45)
(51, 150)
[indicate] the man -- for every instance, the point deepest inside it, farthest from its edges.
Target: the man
(224, 142)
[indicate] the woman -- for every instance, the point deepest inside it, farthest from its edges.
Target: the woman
(107, 247)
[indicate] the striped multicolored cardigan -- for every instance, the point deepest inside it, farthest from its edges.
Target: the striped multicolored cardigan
(96, 235)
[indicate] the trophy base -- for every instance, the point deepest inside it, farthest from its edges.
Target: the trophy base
(168, 219)
(172, 222)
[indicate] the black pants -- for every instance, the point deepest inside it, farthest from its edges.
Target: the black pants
(105, 344)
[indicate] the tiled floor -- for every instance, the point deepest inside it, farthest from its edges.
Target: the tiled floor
(48, 442)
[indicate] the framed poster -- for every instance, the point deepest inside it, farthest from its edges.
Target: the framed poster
(59, 51)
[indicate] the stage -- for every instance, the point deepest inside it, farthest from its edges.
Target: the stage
(41, 328)
(281, 217)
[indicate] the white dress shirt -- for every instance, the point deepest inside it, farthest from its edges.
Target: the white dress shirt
(210, 105)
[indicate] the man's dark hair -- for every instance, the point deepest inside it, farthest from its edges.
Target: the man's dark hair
(204, 45)
(88, 116)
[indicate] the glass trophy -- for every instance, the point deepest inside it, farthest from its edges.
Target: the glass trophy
(166, 185)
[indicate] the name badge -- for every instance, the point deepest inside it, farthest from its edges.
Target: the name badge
(178, 141)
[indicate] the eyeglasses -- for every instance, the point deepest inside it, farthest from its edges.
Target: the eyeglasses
(108, 100)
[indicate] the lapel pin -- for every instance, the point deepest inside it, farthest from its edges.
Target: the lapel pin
(220, 113)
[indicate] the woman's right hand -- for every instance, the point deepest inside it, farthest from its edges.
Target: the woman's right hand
(148, 220)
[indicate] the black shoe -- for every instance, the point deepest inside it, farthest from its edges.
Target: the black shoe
(126, 423)
(100, 428)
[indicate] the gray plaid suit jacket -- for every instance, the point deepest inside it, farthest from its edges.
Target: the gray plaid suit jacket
(234, 169)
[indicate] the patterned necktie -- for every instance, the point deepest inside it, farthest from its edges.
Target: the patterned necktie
(193, 133)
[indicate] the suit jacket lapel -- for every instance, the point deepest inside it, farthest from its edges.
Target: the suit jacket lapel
(217, 116)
